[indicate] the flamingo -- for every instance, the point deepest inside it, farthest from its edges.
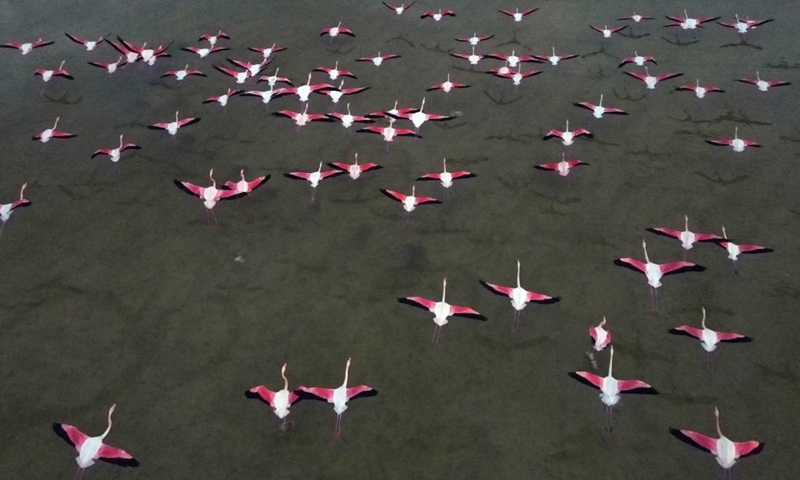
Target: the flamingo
(28, 47)
(303, 118)
(650, 80)
(554, 59)
(688, 23)
(611, 388)
(409, 202)
(213, 38)
(599, 110)
(654, 271)
(89, 44)
(266, 52)
(638, 60)
(568, 137)
(6, 209)
(636, 17)
(736, 143)
(390, 132)
(130, 55)
(563, 167)
(514, 59)
(337, 93)
(743, 26)
(339, 396)
(49, 133)
(687, 237)
(517, 15)
(334, 73)
(473, 59)
(313, 177)
(607, 32)
(114, 153)
(337, 30)
(441, 310)
(203, 52)
(91, 449)
(348, 119)
(148, 55)
(245, 186)
(474, 39)
(519, 296)
(239, 76)
(709, 338)
(437, 16)
(223, 99)
(303, 91)
(399, 9)
(419, 117)
(446, 178)
(183, 73)
(725, 450)
(274, 78)
(173, 127)
(734, 250)
(601, 337)
(280, 401)
(210, 195)
(266, 95)
(378, 59)
(763, 85)
(49, 74)
(354, 170)
(110, 67)
(700, 92)
(252, 68)
(517, 76)
(447, 85)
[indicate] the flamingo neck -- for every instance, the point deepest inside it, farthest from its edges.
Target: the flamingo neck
(356, 162)
(285, 380)
(601, 100)
(611, 361)
(108, 428)
(62, 64)
(22, 191)
(120, 141)
(444, 165)
(644, 247)
(346, 373)
(724, 234)
(703, 321)
(444, 289)
(686, 222)
(519, 285)
(716, 414)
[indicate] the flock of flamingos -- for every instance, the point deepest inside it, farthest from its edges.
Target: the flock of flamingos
(90, 449)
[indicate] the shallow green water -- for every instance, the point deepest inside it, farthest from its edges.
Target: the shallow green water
(117, 290)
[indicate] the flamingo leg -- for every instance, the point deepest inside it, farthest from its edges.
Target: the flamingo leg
(337, 432)
(515, 323)
(213, 216)
(313, 194)
(1, 228)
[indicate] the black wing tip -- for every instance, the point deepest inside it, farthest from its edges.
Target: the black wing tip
(474, 316)
(410, 302)
(122, 462)
(676, 331)
(756, 450)
(582, 380)
(548, 301)
(683, 438)
(62, 433)
(739, 340)
(489, 287)
(618, 262)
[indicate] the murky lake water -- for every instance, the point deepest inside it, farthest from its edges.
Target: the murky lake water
(117, 290)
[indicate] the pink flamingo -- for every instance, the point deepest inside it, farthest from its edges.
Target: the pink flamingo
(441, 310)
(280, 401)
(519, 296)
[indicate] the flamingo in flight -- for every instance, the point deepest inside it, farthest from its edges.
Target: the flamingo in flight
(354, 170)
(337, 93)
(554, 59)
(203, 52)
(734, 250)
(339, 396)
(348, 118)
(28, 47)
(210, 195)
(336, 31)
(638, 60)
(303, 91)
(743, 26)
(89, 44)
(173, 127)
(390, 132)
(441, 310)
(472, 58)
(212, 39)
(599, 110)
(409, 202)
(303, 118)
(563, 167)
(474, 39)
(334, 73)
(636, 17)
(709, 338)
(223, 99)
(399, 9)
(280, 401)
(6, 209)
(651, 81)
(517, 15)
(725, 450)
(736, 143)
(91, 449)
(246, 186)
(519, 296)
(687, 237)
(607, 32)
(687, 23)
(112, 66)
(763, 85)
(114, 153)
(610, 387)
(45, 135)
(699, 92)
(419, 117)
(446, 178)
(313, 177)
(654, 271)
(437, 16)
(601, 337)
(447, 85)
(568, 137)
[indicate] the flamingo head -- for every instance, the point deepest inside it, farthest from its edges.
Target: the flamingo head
(603, 321)
(644, 247)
